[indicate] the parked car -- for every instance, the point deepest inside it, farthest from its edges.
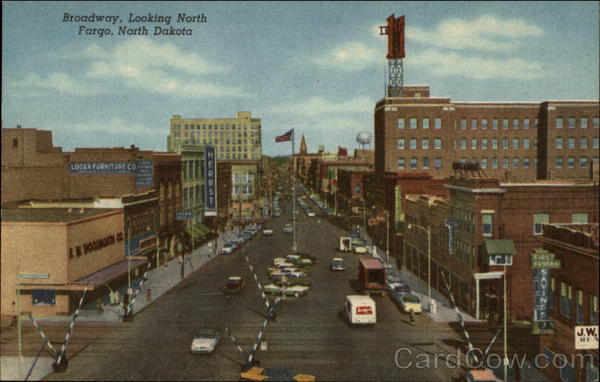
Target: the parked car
(337, 264)
(311, 214)
(307, 256)
(298, 260)
(273, 289)
(205, 341)
(234, 284)
(288, 228)
(228, 248)
(410, 303)
(359, 248)
(296, 290)
(399, 287)
(238, 240)
(267, 232)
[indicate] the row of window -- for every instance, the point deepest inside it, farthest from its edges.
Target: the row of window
(571, 142)
(569, 300)
(215, 141)
(572, 122)
(487, 221)
(242, 178)
(496, 123)
(193, 196)
(494, 163)
(243, 190)
(225, 126)
(571, 161)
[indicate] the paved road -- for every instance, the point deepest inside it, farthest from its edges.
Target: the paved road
(309, 334)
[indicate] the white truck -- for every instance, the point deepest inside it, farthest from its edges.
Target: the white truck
(360, 310)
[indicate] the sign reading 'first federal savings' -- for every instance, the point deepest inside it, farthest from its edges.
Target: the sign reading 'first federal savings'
(142, 170)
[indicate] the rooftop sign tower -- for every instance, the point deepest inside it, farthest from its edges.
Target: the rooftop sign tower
(395, 32)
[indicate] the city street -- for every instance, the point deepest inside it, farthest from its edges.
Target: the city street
(309, 335)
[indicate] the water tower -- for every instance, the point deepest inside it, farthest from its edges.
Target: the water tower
(363, 138)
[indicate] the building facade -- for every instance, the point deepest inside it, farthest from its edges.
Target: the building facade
(510, 141)
(233, 138)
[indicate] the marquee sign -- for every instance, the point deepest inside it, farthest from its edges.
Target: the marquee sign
(541, 262)
(210, 182)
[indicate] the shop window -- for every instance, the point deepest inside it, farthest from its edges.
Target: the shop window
(43, 297)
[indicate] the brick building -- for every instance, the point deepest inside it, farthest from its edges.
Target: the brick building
(573, 297)
(517, 141)
(487, 209)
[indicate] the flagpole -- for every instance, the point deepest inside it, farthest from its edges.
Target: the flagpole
(294, 192)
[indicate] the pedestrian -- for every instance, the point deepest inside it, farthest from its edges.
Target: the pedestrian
(99, 306)
(412, 318)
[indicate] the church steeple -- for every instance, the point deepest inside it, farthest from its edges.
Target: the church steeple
(303, 149)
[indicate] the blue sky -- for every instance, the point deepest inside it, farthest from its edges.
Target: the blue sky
(317, 67)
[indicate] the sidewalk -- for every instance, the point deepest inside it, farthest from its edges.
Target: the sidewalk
(159, 281)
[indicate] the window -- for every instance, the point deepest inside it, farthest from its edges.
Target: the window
(413, 143)
(558, 162)
(538, 221)
(425, 162)
(595, 122)
(425, 143)
(401, 144)
(413, 163)
(437, 163)
(525, 143)
(413, 123)
(583, 122)
(583, 143)
(535, 123)
(473, 124)
(463, 160)
(505, 162)
(515, 143)
(583, 162)
(566, 298)
(571, 162)
(495, 143)
(425, 123)
(463, 123)
(463, 143)
(437, 123)
(43, 297)
(437, 143)
(505, 123)
(15, 142)
(494, 162)
(495, 124)
(484, 162)
(571, 122)
(594, 142)
(526, 123)
(525, 162)
(487, 220)
(559, 143)
(473, 143)
(515, 162)
(401, 163)
(484, 124)
(484, 143)
(571, 143)
(580, 218)
(593, 309)
(401, 123)
(559, 123)
(515, 123)
(474, 160)
(505, 143)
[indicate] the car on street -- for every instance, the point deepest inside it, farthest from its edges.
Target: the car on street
(337, 264)
(410, 303)
(296, 290)
(234, 284)
(399, 287)
(298, 260)
(228, 248)
(267, 232)
(307, 256)
(288, 228)
(205, 341)
(238, 240)
(291, 278)
(273, 289)
(359, 248)
(310, 214)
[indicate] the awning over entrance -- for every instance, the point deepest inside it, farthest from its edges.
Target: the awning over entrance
(109, 273)
(500, 247)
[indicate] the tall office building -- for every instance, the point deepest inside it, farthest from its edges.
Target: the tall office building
(233, 138)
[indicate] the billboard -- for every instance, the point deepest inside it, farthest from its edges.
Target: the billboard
(395, 33)
(586, 337)
(142, 169)
(210, 182)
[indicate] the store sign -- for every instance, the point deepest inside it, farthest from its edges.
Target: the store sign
(144, 176)
(451, 224)
(142, 169)
(184, 215)
(542, 259)
(210, 182)
(586, 337)
(95, 245)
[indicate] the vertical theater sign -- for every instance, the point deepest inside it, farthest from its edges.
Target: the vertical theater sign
(541, 263)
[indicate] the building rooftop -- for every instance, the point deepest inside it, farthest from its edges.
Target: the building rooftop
(584, 235)
(50, 215)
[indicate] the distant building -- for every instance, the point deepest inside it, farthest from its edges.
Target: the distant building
(512, 141)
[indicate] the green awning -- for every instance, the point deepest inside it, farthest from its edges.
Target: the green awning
(500, 247)
(198, 231)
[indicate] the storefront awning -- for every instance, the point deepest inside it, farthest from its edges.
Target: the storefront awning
(109, 273)
(500, 247)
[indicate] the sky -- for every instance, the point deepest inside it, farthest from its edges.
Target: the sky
(316, 67)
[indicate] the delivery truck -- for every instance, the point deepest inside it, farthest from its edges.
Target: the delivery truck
(371, 276)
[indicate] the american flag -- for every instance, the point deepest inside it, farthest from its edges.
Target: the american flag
(285, 137)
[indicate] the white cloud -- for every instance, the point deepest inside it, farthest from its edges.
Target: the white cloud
(316, 106)
(57, 82)
(351, 56)
(454, 64)
(486, 33)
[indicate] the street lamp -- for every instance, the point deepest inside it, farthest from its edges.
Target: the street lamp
(428, 230)
(387, 235)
